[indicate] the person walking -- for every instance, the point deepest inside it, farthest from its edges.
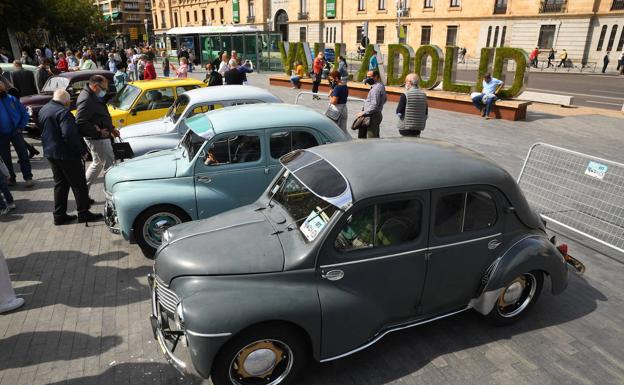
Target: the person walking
(165, 64)
(373, 105)
(343, 69)
(213, 78)
(338, 96)
(373, 63)
(141, 63)
(72, 61)
(111, 64)
(149, 73)
(297, 75)
(65, 151)
(412, 110)
(42, 74)
(8, 203)
(317, 70)
(13, 119)
(88, 63)
(551, 57)
(8, 300)
(95, 125)
(605, 62)
(224, 66)
(62, 65)
(182, 71)
(23, 80)
(564, 59)
(120, 78)
(533, 57)
(483, 101)
(217, 61)
(233, 76)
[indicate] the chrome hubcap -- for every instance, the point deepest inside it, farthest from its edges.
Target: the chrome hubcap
(264, 362)
(156, 225)
(260, 362)
(517, 295)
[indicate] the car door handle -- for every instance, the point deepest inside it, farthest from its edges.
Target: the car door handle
(333, 275)
(204, 179)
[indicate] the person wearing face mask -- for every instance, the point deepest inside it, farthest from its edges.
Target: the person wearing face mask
(412, 110)
(65, 150)
(96, 126)
(373, 105)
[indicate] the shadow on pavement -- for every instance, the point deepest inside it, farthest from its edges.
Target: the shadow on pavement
(76, 279)
(33, 348)
(533, 116)
(136, 373)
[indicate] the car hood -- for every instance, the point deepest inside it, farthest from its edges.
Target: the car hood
(157, 165)
(151, 127)
(35, 100)
(240, 241)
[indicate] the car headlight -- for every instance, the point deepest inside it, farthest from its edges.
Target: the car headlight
(179, 317)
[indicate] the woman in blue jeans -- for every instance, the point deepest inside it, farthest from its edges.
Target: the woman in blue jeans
(13, 118)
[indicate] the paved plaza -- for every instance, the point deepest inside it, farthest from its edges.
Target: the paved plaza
(87, 301)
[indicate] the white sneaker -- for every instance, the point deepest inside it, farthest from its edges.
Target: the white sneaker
(11, 305)
(11, 206)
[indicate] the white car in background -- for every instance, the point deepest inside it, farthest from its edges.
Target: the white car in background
(166, 133)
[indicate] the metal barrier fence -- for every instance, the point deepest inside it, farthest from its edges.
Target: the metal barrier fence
(580, 192)
(324, 96)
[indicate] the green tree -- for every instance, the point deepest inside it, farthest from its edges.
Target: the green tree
(73, 21)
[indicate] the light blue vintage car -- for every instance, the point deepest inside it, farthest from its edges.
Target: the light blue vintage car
(225, 160)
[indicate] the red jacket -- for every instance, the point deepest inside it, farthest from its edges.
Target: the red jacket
(149, 73)
(62, 65)
(317, 68)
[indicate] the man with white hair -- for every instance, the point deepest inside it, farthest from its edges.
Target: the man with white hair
(233, 76)
(412, 109)
(65, 150)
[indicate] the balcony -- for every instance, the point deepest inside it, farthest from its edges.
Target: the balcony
(618, 5)
(303, 16)
(251, 19)
(553, 6)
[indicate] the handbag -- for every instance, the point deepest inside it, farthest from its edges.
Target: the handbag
(122, 150)
(333, 112)
(362, 122)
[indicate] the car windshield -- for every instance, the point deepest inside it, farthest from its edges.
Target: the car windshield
(198, 130)
(126, 97)
(310, 213)
(55, 83)
(177, 108)
(192, 143)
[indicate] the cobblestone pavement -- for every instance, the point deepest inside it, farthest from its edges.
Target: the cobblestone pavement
(85, 319)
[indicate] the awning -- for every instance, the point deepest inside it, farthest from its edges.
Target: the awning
(211, 29)
(116, 15)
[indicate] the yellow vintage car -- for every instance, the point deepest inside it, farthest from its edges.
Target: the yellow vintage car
(144, 100)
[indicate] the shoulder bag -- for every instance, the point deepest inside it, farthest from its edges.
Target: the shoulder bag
(361, 122)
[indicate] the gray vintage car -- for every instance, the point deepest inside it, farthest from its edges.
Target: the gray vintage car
(351, 241)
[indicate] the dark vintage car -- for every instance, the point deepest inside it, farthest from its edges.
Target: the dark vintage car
(351, 241)
(73, 82)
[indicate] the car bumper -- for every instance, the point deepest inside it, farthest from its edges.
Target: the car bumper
(110, 215)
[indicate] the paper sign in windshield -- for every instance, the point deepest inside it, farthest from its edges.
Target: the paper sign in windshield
(596, 170)
(312, 226)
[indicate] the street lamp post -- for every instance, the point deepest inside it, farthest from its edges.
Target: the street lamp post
(399, 9)
(145, 21)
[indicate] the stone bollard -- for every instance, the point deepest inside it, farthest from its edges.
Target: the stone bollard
(8, 300)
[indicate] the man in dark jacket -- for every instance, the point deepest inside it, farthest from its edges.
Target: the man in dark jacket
(95, 125)
(23, 80)
(213, 78)
(233, 76)
(13, 119)
(43, 73)
(65, 150)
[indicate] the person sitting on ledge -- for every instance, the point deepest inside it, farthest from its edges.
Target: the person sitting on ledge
(297, 75)
(484, 100)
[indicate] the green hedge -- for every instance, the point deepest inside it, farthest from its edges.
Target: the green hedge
(503, 54)
(296, 52)
(394, 52)
(448, 83)
(361, 74)
(420, 58)
(484, 66)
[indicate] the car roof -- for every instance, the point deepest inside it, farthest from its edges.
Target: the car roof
(231, 92)
(266, 115)
(388, 166)
(8, 67)
(86, 74)
(165, 82)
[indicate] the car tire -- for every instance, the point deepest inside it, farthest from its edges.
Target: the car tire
(268, 343)
(517, 298)
(147, 235)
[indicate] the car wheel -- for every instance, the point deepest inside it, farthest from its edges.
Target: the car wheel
(151, 224)
(517, 298)
(261, 356)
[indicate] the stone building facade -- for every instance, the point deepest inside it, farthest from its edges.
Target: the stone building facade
(128, 17)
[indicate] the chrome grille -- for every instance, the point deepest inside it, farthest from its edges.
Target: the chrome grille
(165, 297)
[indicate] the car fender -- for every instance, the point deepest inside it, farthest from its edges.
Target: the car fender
(133, 197)
(143, 144)
(218, 311)
(528, 253)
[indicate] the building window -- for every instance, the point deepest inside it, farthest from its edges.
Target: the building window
(155, 21)
(188, 17)
(451, 35)
(212, 14)
(495, 37)
(176, 19)
(603, 33)
(252, 12)
(361, 5)
(162, 19)
(500, 7)
(553, 6)
(455, 4)
(195, 16)
(303, 6)
(302, 34)
(403, 40)
(359, 34)
(489, 36)
(381, 31)
(428, 4)
(425, 35)
(621, 42)
(546, 36)
(503, 35)
(222, 15)
(203, 16)
(381, 5)
(612, 37)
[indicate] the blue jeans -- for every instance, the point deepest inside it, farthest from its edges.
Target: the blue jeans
(17, 139)
(478, 102)
(4, 188)
(295, 81)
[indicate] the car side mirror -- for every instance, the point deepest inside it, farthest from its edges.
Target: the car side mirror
(133, 112)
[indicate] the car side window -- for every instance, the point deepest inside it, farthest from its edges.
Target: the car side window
(79, 85)
(234, 149)
(283, 142)
(201, 108)
(381, 225)
(182, 89)
(461, 212)
(155, 99)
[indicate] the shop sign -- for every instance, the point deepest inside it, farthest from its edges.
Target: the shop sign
(330, 9)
